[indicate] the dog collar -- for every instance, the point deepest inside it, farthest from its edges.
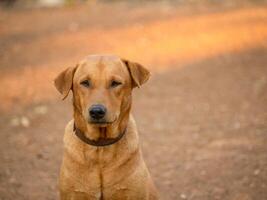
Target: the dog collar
(100, 142)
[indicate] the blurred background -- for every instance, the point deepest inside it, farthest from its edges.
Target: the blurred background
(202, 117)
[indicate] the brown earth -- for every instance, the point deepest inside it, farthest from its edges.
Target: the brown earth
(202, 117)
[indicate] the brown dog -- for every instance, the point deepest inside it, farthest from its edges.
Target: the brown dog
(102, 157)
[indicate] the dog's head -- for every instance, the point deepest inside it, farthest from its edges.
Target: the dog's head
(101, 87)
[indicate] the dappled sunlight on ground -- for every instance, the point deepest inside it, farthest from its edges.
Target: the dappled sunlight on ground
(167, 42)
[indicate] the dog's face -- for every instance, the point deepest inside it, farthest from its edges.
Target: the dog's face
(101, 87)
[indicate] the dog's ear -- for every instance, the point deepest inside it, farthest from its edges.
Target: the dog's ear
(63, 81)
(138, 73)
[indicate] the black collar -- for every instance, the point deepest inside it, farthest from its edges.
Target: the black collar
(100, 142)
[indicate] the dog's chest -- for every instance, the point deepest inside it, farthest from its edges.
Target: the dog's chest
(101, 165)
(98, 172)
(99, 157)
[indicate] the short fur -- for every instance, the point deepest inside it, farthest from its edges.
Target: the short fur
(117, 171)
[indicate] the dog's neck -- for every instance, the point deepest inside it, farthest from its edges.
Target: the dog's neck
(102, 141)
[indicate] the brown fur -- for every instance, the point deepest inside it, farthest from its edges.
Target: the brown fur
(117, 171)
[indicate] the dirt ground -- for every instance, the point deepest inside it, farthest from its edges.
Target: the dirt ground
(202, 117)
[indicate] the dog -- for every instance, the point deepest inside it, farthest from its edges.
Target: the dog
(102, 158)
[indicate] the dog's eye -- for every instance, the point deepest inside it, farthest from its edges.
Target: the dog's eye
(115, 84)
(85, 83)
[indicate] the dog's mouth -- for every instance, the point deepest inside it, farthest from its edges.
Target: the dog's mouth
(101, 123)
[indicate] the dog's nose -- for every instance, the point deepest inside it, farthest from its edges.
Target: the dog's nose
(97, 111)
